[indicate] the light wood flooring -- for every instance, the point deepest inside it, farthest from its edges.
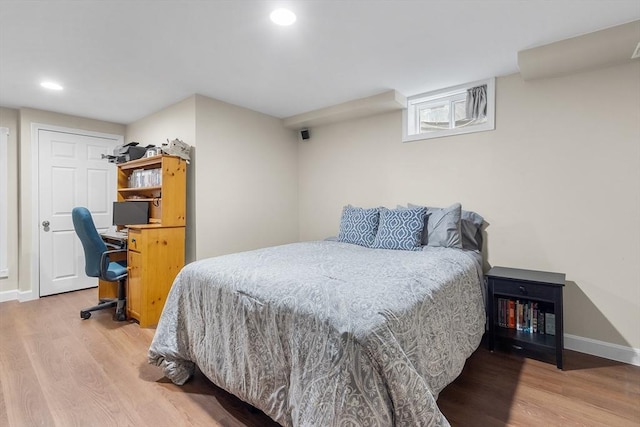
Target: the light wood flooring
(58, 370)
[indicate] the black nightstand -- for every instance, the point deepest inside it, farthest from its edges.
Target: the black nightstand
(535, 295)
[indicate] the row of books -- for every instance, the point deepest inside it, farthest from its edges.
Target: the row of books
(525, 316)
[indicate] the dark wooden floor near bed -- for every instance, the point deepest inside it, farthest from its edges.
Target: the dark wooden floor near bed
(57, 370)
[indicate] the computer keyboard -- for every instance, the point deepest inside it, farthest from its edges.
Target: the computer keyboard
(118, 235)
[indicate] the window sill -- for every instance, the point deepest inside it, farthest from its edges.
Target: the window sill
(449, 132)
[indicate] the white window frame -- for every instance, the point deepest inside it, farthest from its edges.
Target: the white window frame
(409, 114)
(4, 202)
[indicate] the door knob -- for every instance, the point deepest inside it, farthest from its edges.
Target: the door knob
(45, 223)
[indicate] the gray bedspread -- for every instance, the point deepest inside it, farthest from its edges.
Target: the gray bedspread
(326, 333)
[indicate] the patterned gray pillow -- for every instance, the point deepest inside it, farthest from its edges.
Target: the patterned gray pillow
(358, 225)
(400, 229)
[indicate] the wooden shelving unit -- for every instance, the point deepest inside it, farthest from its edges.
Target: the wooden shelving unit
(167, 202)
(155, 251)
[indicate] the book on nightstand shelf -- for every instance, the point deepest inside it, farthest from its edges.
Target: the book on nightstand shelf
(512, 314)
(524, 316)
(550, 323)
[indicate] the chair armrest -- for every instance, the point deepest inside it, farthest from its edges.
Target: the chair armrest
(104, 263)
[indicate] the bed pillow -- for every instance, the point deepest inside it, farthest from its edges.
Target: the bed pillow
(400, 229)
(442, 226)
(358, 225)
(471, 226)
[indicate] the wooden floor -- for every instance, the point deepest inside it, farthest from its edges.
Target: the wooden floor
(58, 370)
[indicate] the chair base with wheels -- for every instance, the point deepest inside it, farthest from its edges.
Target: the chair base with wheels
(98, 263)
(119, 303)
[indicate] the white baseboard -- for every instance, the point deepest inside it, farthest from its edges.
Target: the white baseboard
(14, 294)
(604, 349)
(27, 296)
(8, 295)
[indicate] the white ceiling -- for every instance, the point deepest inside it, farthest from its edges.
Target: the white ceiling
(122, 60)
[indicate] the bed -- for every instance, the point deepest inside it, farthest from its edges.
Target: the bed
(327, 333)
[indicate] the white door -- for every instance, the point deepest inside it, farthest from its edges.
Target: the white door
(71, 173)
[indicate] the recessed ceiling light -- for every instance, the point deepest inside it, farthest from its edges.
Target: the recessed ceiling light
(51, 85)
(283, 17)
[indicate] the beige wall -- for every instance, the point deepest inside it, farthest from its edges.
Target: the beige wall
(27, 117)
(176, 121)
(9, 119)
(247, 194)
(558, 181)
(242, 186)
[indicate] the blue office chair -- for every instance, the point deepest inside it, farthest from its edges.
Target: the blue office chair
(98, 264)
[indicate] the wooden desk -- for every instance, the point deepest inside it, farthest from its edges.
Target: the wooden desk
(107, 290)
(155, 255)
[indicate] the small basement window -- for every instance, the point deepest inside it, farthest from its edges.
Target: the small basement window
(461, 109)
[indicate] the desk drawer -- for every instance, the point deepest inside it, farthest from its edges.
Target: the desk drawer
(136, 240)
(517, 289)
